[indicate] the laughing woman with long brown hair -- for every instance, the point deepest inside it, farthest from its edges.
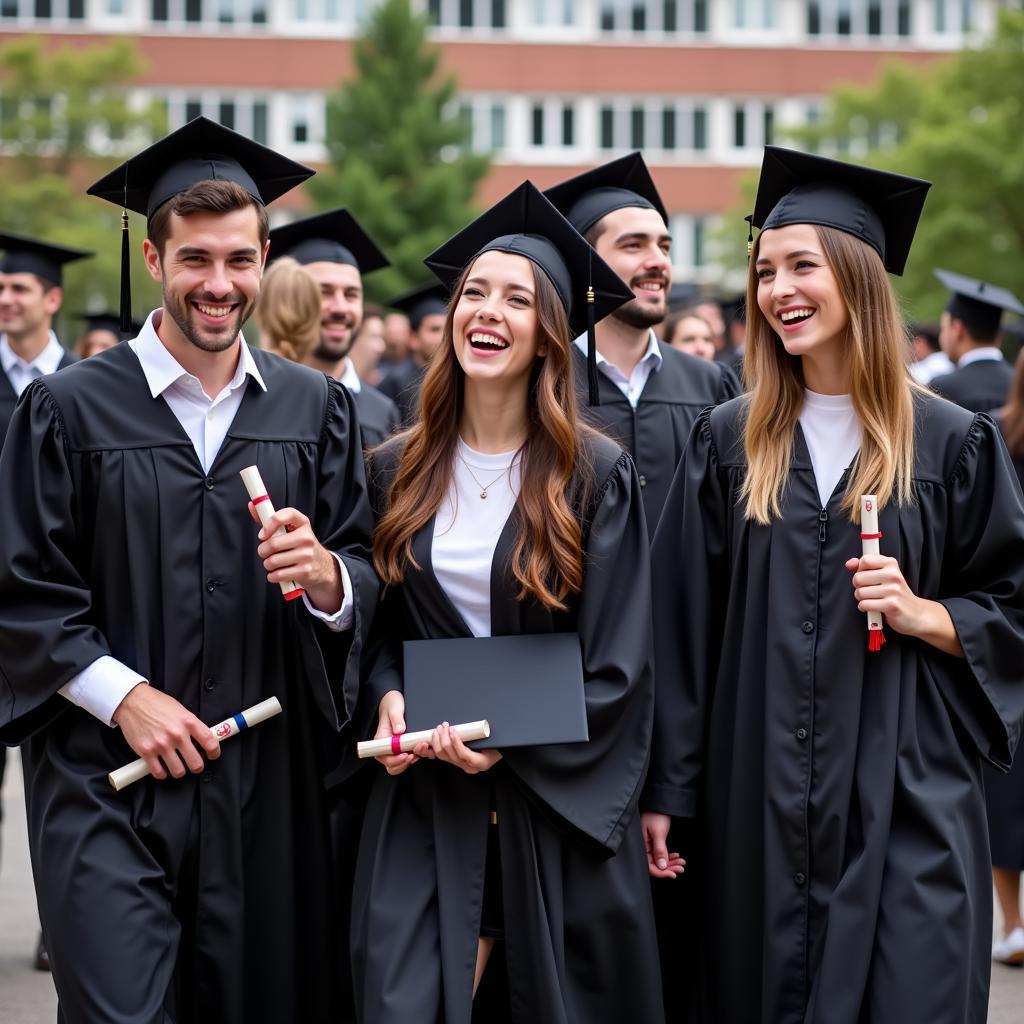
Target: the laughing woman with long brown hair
(501, 514)
(837, 788)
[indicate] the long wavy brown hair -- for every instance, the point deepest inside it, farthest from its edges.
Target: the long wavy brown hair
(547, 560)
(880, 386)
(1011, 416)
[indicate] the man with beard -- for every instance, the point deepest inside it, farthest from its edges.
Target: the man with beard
(336, 251)
(31, 275)
(649, 393)
(139, 605)
(426, 308)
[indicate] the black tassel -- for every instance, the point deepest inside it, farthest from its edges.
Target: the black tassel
(750, 235)
(592, 380)
(126, 277)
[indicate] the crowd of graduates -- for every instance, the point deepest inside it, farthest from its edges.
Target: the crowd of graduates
(628, 511)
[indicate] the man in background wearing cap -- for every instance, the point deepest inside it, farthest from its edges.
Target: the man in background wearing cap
(968, 334)
(336, 251)
(31, 276)
(426, 308)
(137, 603)
(650, 394)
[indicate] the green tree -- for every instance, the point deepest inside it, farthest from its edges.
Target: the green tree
(959, 123)
(400, 160)
(57, 107)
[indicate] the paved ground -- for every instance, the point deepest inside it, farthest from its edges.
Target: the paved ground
(27, 997)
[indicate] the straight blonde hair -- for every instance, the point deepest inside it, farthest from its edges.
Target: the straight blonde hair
(288, 311)
(881, 389)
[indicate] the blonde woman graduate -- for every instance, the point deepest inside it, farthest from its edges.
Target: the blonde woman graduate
(837, 790)
(501, 515)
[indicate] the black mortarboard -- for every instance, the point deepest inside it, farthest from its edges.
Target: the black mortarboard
(107, 321)
(421, 302)
(334, 237)
(30, 256)
(526, 224)
(202, 150)
(588, 197)
(979, 305)
(878, 207)
(529, 687)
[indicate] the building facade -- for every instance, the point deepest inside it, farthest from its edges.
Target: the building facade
(550, 87)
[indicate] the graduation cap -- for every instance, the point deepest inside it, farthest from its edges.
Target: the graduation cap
(979, 305)
(30, 256)
(333, 237)
(428, 300)
(588, 197)
(526, 224)
(107, 321)
(202, 150)
(878, 207)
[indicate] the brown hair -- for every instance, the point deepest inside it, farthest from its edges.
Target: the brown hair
(547, 560)
(288, 310)
(674, 319)
(880, 386)
(1011, 415)
(204, 197)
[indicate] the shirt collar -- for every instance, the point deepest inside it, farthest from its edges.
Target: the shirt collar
(652, 355)
(351, 379)
(46, 362)
(162, 369)
(977, 355)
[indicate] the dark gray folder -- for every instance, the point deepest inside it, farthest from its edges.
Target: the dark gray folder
(530, 688)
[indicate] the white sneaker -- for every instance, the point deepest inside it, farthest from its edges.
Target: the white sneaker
(1010, 948)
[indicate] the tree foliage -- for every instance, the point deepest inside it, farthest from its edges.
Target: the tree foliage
(400, 160)
(58, 108)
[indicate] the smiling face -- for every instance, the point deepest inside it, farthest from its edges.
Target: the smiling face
(635, 243)
(209, 273)
(341, 307)
(27, 305)
(494, 324)
(798, 293)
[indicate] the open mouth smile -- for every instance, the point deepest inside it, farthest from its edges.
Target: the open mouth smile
(794, 318)
(214, 313)
(487, 343)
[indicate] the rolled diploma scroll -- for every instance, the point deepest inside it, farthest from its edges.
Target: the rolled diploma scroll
(869, 537)
(265, 509)
(229, 727)
(406, 741)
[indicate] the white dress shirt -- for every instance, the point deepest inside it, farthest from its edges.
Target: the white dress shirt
(351, 379)
(934, 365)
(833, 435)
(633, 385)
(20, 373)
(979, 355)
(100, 687)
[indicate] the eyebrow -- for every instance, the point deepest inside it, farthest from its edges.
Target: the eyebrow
(510, 287)
(194, 250)
(791, 256)
(642, 236)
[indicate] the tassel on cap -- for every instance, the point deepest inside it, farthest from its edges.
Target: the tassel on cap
(126, 266)
(593, 387)
(750, 235)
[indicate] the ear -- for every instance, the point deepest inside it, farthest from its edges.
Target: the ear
(52, 298)
(151, 257)
(266, 253)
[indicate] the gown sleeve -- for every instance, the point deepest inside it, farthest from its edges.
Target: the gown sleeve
(343, 523)
(46, 637)
(689, 560)
(594, 786)
(983, 565)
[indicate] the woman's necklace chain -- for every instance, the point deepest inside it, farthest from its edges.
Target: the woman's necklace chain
(485, 488)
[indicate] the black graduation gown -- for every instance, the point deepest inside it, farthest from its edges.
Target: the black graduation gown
(402, 386)
(1004, 794)
(838, 793)
(116, 541)
(979, 387)
(9, 399)
(579, 937)
(655, 432)
(378, 415)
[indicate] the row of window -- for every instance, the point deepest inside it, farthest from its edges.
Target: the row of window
(829, 18)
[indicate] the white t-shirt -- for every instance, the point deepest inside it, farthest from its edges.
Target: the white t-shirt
(833, 434)
(467, 529)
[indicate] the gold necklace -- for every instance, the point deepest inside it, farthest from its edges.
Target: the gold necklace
(483, 489)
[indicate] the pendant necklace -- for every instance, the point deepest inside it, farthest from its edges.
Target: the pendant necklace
(484, 489)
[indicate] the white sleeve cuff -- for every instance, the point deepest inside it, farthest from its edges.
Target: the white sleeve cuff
(342, 618)
(100, 688)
